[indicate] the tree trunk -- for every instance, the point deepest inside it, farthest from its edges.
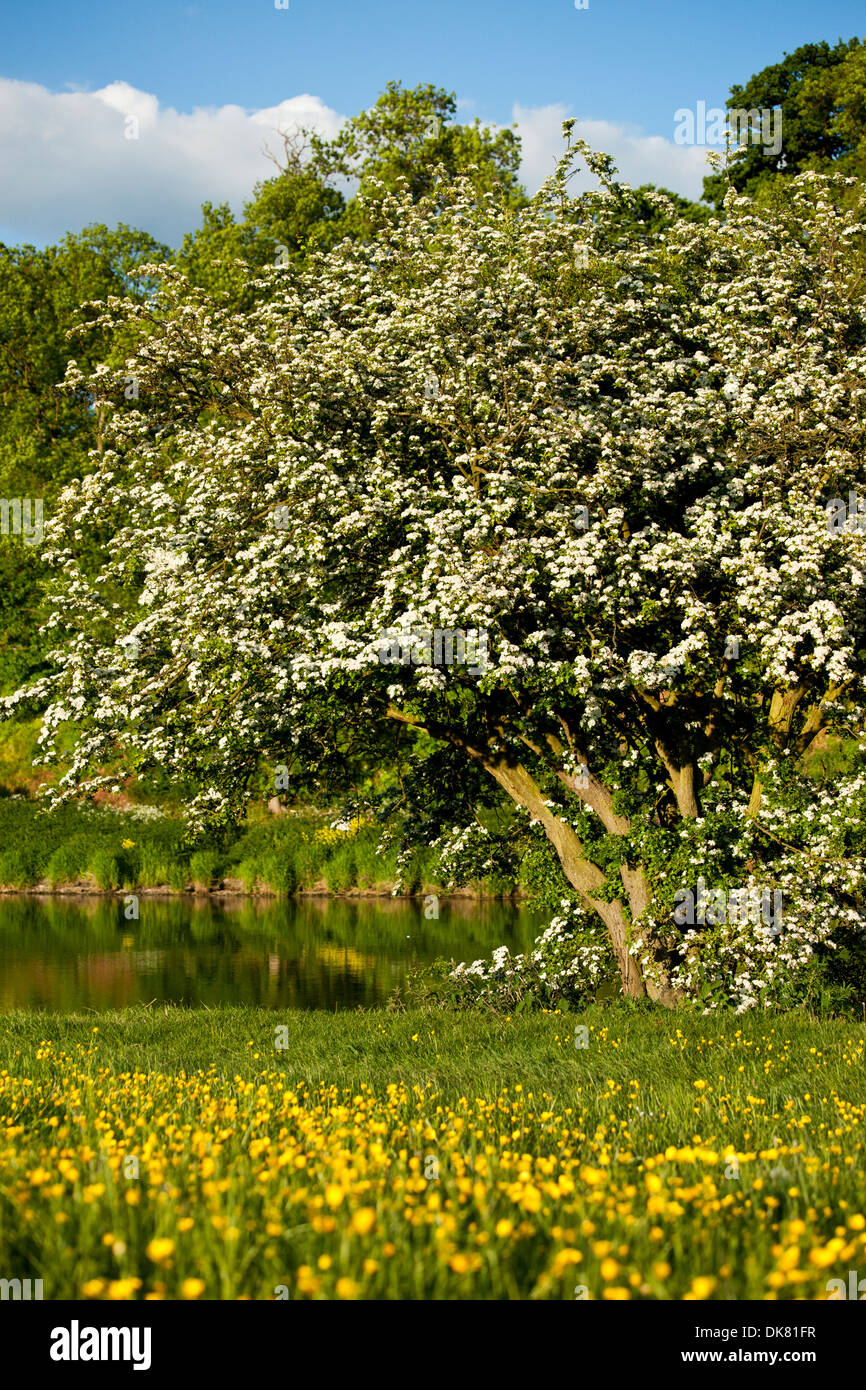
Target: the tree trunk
(586, 878)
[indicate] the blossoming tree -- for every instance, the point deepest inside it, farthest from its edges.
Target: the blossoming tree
(610, 455)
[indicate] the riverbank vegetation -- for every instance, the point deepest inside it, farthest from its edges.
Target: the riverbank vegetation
(106, 848)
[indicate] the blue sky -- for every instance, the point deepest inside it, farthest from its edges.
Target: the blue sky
(622, 65)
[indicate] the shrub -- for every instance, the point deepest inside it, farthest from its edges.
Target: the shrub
(249, 871)
(280, 872)
(341, 869)
(569, 963)
(418, 869)
(67, 863)
(107, 868)
(309, 865)
(369, 868)
(203, 867)
(17, 869)
(156, 866)
(178, 875)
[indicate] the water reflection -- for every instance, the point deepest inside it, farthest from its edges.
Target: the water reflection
(82, 953)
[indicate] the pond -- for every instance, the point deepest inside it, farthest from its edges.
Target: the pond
(74, 953)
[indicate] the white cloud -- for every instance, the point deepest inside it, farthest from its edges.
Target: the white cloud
(639, 158)
(67, 159)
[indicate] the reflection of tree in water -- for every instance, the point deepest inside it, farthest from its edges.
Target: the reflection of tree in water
(290, 953)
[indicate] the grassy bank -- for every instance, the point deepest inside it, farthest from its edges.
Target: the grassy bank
(205, 1154)
(104, 849)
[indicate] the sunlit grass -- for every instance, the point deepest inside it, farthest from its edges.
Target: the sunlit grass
(171, 1153)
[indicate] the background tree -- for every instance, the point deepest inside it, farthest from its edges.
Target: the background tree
(404, 139)
(298, 210)
(328, 189)
(208, 255)
(822, 94)
(286, 217)
(46, 435)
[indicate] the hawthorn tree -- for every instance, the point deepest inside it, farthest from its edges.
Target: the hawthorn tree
(607, 456)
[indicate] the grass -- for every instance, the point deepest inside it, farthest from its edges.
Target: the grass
(431, 1155)
(126, 850)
